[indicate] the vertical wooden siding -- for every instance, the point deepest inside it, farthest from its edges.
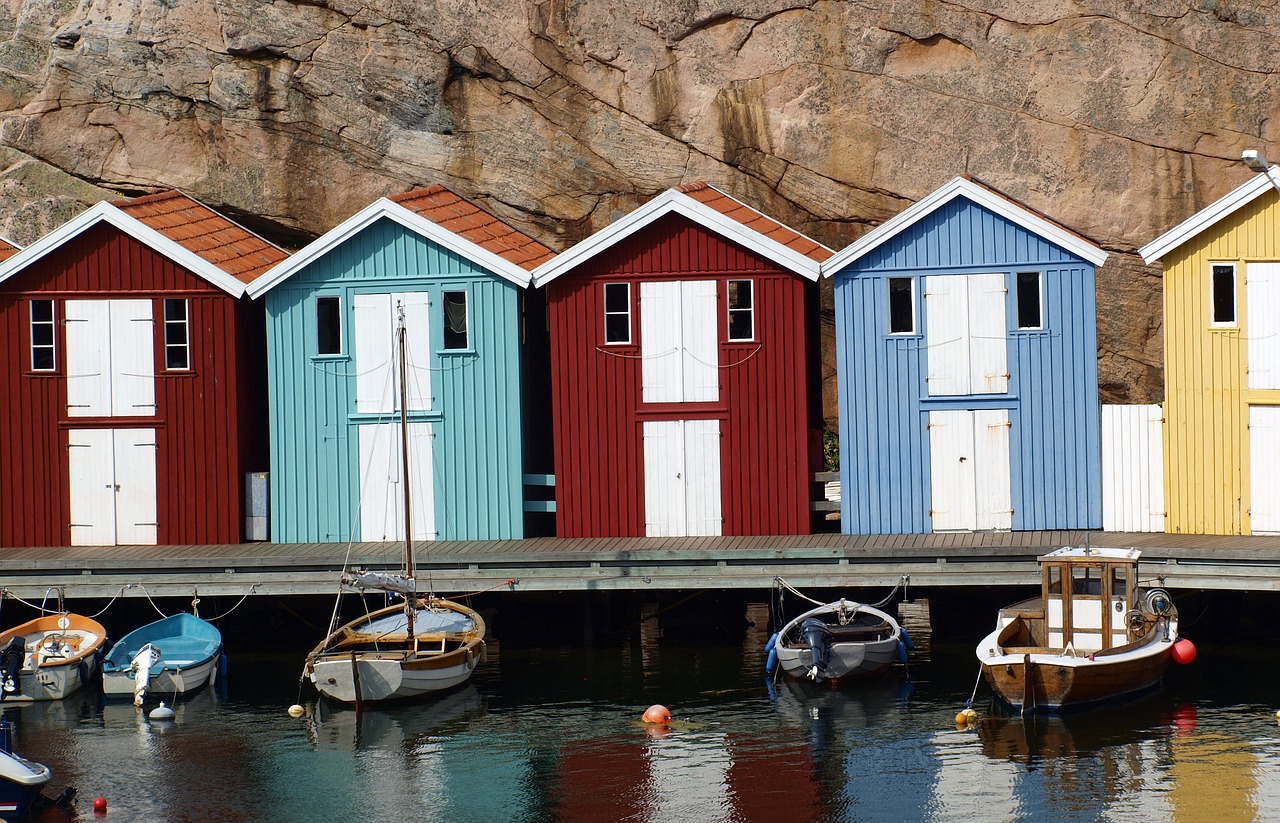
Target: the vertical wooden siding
(199, 414)
(477, 451)
(1206, 399)
(1052, 396)
(767, 389)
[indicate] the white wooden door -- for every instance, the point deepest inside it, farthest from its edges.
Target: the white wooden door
(112, 486)
(682, 478)
(1132, 468)
(376, 318)
(1262, 297)
(1264, 478)
(110, 358)
(381, 482)
(966, 332)
(969, 470)
(679, 342)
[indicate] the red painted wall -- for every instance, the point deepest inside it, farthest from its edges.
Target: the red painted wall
(768, 407)
(209, 429)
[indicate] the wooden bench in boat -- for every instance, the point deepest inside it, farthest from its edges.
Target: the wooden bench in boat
(853, 632)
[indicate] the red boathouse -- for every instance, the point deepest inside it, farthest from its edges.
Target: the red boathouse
(684, 362)
(134, 377)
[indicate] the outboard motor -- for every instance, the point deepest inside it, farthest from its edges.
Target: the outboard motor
(818, 637)
(141, 665)
(10, 665)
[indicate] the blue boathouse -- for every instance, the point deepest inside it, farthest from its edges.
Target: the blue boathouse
(967, 370)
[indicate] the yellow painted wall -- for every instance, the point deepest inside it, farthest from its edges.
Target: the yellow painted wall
(1206, 399)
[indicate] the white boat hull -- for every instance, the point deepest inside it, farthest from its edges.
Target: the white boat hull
(846, 658)
(168, 681)
(386, 679)
(45, 676)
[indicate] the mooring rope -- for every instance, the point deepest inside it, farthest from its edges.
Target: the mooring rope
(969, 703)
(236, 606)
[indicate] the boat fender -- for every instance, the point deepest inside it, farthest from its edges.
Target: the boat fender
(771, 662)
(1184, 651)
(902, 652)
(906, 638)
(773, 641)
(83, 669)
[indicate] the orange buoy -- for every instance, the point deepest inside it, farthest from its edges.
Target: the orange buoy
(1184, 651)
(100, 805)
(656, 714)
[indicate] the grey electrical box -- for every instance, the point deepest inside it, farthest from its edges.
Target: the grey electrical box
(255, 506)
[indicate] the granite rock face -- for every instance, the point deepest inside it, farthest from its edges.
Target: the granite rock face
(1116, 118)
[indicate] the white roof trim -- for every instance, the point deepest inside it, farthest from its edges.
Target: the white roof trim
(960, 187)
(104, 212)
(383, 207)
(673, 200)
(1224, 206)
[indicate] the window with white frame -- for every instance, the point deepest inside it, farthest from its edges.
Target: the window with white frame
(456, 334)
(328, 325)
(902, 305)
(177, 340)
(42, 336)
(1028, 293)
(742, 324)
(617, 312)
(1222, 298)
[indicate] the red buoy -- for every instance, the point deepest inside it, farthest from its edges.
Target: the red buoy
(656, 714)
(1184, 651)
(99, 805)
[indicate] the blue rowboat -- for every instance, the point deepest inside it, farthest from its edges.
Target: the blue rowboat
(172, 656)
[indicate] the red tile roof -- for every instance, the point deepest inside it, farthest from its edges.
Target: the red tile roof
(7, 250)
(714, 198)
(449, 211)
(199, 229)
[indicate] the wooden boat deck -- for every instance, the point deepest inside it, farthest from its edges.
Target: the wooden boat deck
(554, 564)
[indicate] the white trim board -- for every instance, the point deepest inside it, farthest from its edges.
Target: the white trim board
(677, 202)
(384, 207)
(982, 196)
(1221, 208)
(105, 212)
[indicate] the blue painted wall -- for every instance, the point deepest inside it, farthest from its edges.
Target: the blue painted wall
(1055, 436)
(476, 446)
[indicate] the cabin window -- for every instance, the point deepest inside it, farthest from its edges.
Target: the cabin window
(902, 305)
(177, 341)
(1029, 300)
(455, 320)
(617, 312)
(1055, 580)
(328, 325)
(1119, 581)
(1224, 295)
(1086, 580)
(741, 311)
(42, 336)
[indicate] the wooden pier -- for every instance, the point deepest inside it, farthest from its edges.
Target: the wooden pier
(552, 564)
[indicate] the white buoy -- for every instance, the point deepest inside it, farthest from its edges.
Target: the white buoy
(295, 710)
(161, 712)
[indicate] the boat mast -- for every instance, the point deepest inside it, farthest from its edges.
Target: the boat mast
(409, 599)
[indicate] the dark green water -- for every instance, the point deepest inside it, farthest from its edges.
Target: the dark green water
(554, 734)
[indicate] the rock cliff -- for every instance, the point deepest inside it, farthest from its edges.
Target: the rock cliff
(1117, 118)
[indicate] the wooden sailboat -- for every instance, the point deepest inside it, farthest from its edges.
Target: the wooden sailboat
(1093, 634)
(425, 645)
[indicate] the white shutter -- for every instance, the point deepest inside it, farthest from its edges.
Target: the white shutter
(417, 315)
(1262, 295)
(133, 359)
(664, 495)
(422, 475)
(91, 478)
(373, 326)
(992, 491)
(701, 354)
(382, 492)
(1132, 469)
(88, 360)
(951, 454)
(702, 477)
(946, 309)
(1264, 478)
(661, 344)
(988, 334)
(135, 473)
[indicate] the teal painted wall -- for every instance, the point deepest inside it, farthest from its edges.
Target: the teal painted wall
(475, 416)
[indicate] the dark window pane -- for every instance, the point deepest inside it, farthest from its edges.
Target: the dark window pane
(1029, 300)
(1055, 580)
(175, 357)
(1119, 583)
(617, 297)
(455, 320)
(41, 311)
(901, 308)
(617, 328)
(42, 334)
(328, 325)
(175, 310)
(739, 294)
(42, 359)
(1224, 294)
(740, 325)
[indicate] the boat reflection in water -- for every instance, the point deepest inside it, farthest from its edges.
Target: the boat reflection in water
(392, 726)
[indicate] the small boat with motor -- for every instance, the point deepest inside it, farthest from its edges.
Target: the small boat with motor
(839, 641)
(174, 655)
(1093, 635)
(50, 657)
(22, 781)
